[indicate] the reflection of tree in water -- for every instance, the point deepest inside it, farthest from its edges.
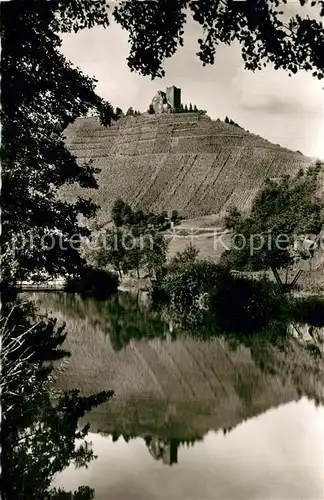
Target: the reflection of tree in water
(129, 319)
(125, 317)
(127, 437)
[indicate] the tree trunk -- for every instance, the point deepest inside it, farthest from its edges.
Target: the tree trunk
(288, 286)
(277, 277)
(287, 269)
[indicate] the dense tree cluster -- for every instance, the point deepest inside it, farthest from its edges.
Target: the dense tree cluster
(136, 241)
(41, 95)
(132, 112)
(231, 122)
(283, 213)
(206, 296)
(189, 109)
(123, 214)
(93, 282)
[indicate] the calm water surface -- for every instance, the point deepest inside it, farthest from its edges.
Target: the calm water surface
(191, 420)
(278, 455)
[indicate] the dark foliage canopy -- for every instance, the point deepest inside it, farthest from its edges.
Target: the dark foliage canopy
(39, 425)
(42, 94)
(261, 28)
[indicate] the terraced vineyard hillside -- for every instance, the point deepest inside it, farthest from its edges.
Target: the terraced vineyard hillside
(185, 162)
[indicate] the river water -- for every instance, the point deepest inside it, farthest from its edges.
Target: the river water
(277, 455)
(191, 419)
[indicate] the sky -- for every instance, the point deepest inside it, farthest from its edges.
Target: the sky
(285, 110)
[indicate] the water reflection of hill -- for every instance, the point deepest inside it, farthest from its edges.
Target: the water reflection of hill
(179, 388)
(161, 449)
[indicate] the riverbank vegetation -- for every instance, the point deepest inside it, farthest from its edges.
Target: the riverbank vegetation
(284, 226)
(95, 282)
(212, 294)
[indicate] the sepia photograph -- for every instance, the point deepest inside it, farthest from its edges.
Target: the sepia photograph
(162, 249)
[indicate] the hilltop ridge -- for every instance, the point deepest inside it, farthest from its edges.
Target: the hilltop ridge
(186, 162)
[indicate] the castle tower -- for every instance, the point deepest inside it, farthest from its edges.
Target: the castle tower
(173, 95)
(164, 102)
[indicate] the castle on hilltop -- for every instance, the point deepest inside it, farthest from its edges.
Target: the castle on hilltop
(168, 101)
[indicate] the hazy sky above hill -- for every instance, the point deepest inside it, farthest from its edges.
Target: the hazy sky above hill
(285, 110)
